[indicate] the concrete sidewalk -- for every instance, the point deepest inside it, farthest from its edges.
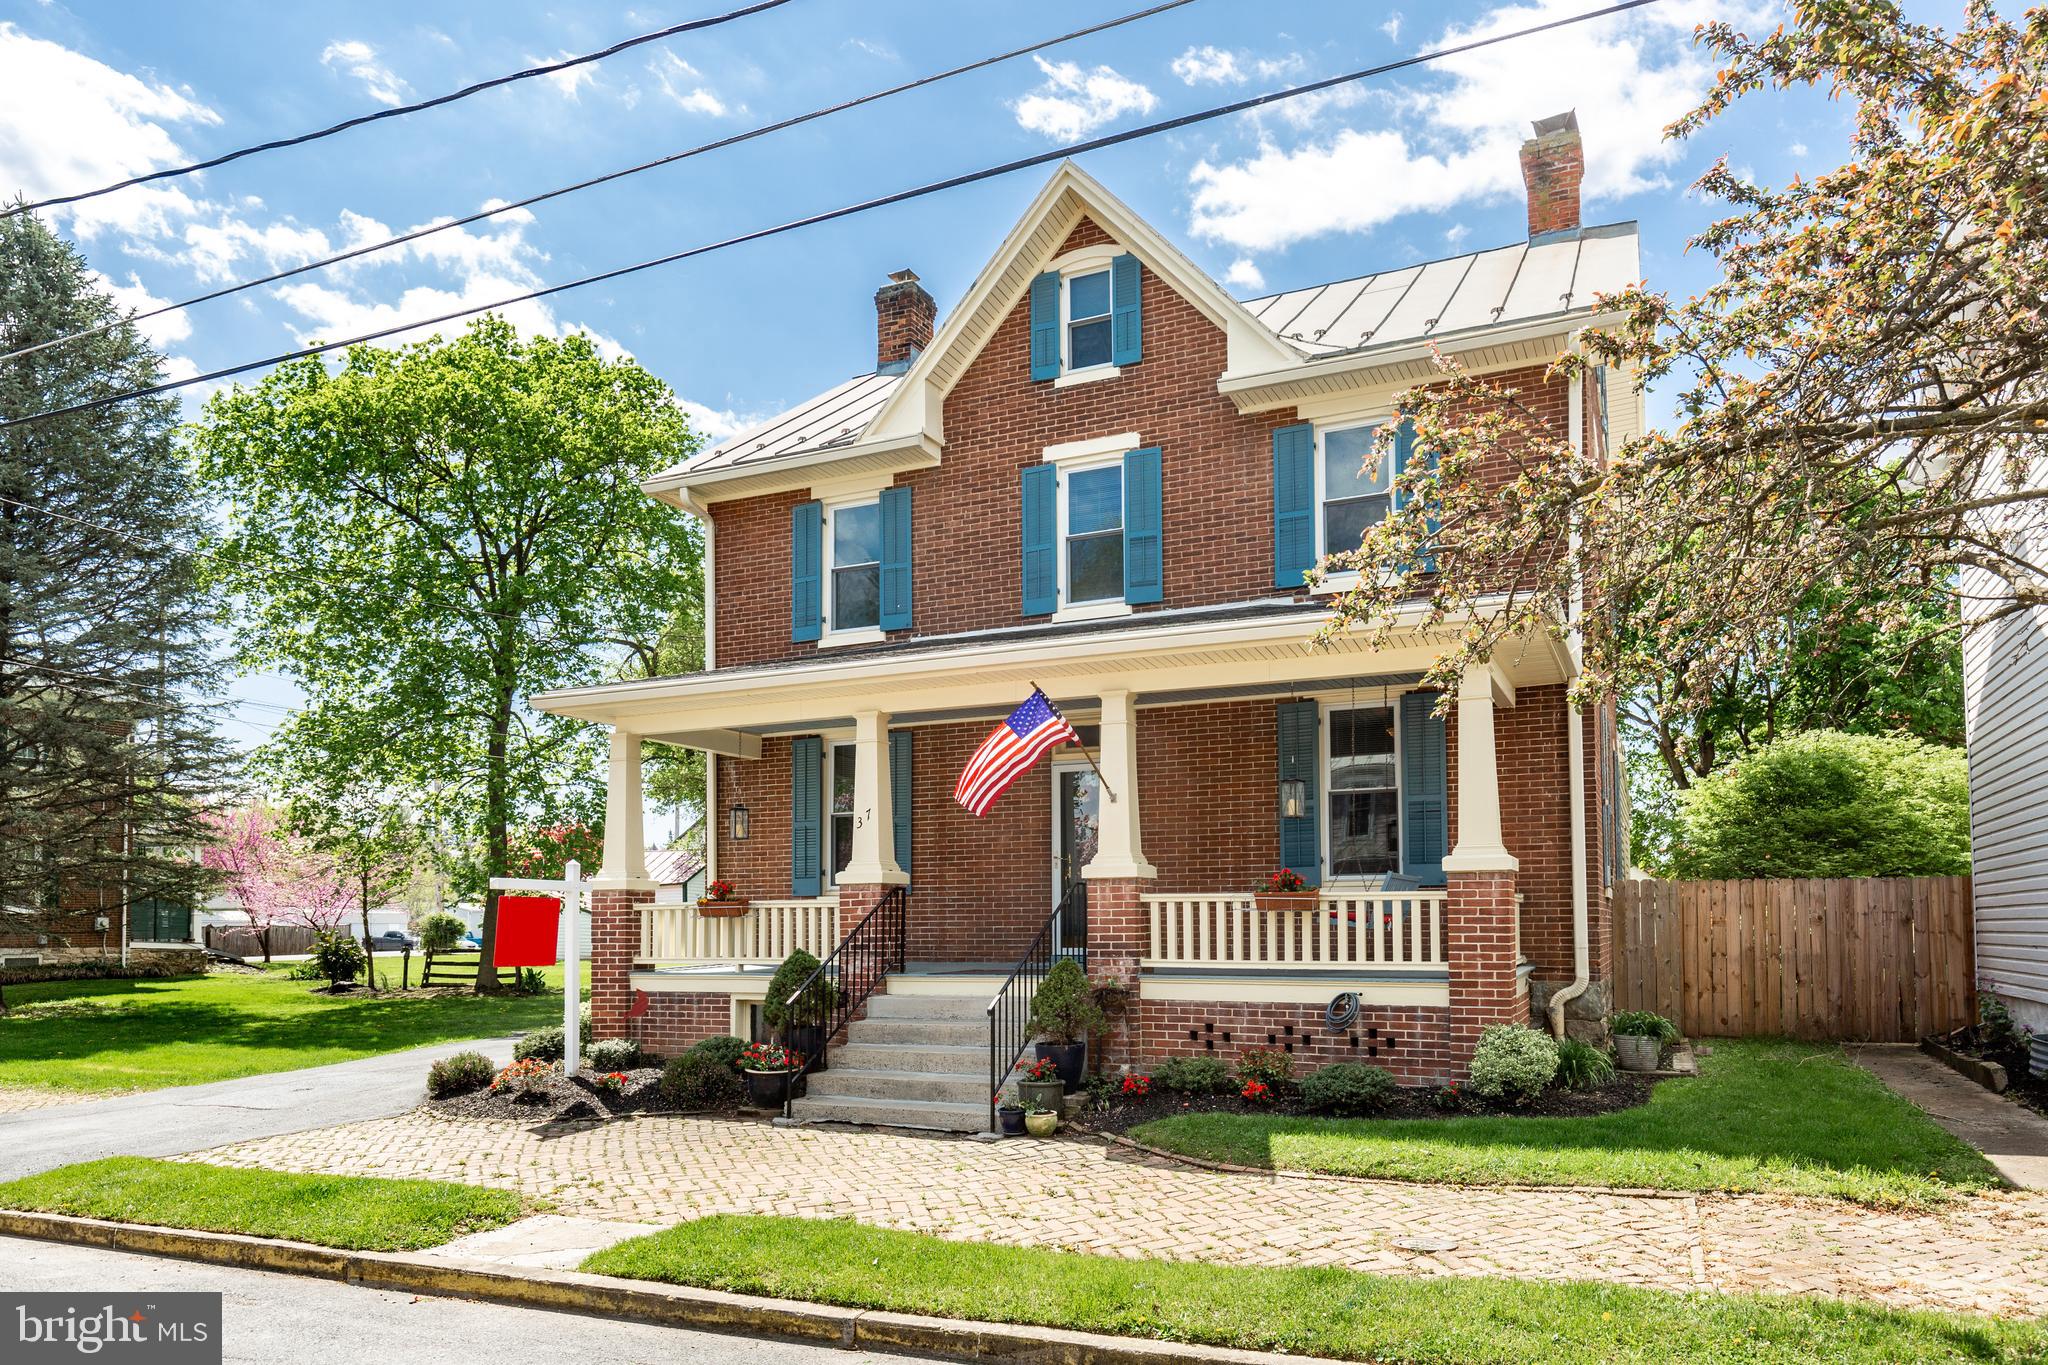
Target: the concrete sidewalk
(2011, 1136)
(188, 1117)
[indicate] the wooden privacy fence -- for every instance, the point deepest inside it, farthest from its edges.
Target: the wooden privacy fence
(1863, 959)
(285, 939)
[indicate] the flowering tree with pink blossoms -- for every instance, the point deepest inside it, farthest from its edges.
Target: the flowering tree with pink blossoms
(274, 874)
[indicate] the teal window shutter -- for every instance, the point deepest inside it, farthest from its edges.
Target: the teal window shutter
(806, 570)
(1041, 555)
(1294, 503)
(899, 795)
(1300, 836)
(1404, 452)
(806, 815)
(1424, 802)
(1126, 323)
(1144, 561)
(1045, 326)
(895, 559)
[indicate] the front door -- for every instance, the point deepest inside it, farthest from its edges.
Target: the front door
(1076, 827)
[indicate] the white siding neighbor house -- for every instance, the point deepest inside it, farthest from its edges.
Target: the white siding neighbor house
(2005, 695)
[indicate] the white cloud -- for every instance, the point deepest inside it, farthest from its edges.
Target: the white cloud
(1457, 141)
(682, 83)
(70, 123)
(132, 297)
(713, 424)
(1456, 233)
(1392, 27)
(1210, 65)
(1073, 102)
(569, 80)
(1244, 273)
(874, 47)
(213, 250)
(1797, 149)
(359, 59)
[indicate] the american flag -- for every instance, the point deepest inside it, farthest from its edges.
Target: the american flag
(1010, 750)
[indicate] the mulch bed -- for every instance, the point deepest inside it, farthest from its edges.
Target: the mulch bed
(561, 1098)
(1624, 1092)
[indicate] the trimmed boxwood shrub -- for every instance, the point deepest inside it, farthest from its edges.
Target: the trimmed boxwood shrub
(541, 1044)
(1513, 1063)
(459, 1074)
(1063, 1010)
(698, 1080)
(613, 1054)
(1581, 1066)
(1350, 1089)
(787, 981)
(338, 956)
(724, 1047)
(1192, 1075)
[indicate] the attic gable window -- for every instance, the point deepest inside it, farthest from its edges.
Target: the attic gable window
(1088, 325)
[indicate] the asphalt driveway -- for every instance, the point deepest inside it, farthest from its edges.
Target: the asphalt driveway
(190, 1117)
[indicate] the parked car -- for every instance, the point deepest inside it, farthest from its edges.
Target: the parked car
(472, 942)
(394, 941)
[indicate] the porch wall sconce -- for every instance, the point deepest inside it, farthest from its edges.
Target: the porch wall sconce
(739, 821)
(1293, 798)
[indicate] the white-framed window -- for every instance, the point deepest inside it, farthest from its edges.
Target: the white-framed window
(853, 567)
(839, 770)
(1349, 496)
(1091, 533)
(1085, 335)
(1361, 773)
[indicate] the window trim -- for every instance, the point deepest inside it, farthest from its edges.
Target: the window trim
(828, 764)
(1325, 808)
(1064, 606)
(1347, 579)
(830, 634)
(1068, 320)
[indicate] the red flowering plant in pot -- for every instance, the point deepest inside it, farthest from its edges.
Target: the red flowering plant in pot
(1039, 1085)
(721, 901)
(1285, 890)
(768, 1068)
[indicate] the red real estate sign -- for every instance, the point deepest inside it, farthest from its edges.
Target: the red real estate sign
(529, 931)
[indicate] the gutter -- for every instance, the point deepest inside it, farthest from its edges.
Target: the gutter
(1575, 768)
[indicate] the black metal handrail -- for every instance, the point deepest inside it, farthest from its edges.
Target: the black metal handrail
(1009, 1013)
(843, 981)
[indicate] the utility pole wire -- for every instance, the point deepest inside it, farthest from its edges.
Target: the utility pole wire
(846, 211)
(445, 225)
(546, 69)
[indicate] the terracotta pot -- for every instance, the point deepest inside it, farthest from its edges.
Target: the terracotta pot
(725, 909)
(1041, 1094)
(1011, 1118)
(768, 1089)
(1637, 1053)
(1286, 900)
(1070, 1058)
(1041, 1125)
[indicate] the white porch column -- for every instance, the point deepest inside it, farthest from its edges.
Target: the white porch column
(873, 862)
(625, 843)
(1480, 846)
(1119, 847)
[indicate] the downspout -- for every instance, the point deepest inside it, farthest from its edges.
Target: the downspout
(1575, 761)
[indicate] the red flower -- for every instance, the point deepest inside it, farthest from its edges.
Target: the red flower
(1256, 1091)
(1137, 1085)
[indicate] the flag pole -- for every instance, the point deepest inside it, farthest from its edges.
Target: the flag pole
(1084, 748)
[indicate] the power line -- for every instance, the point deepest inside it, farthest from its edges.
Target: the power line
(846, 211)
(546, 69)
(446, 225)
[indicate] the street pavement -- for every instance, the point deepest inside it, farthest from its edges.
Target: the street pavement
(267, 1318)
(189, 1117)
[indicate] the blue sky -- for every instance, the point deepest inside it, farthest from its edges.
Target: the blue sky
(1407, 168)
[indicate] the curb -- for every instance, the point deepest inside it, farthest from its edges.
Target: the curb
(1990, 1075)
(646, 1301)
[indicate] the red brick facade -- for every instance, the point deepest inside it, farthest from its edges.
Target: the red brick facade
(1412, 1042)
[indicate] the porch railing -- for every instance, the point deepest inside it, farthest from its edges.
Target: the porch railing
(768, 932)
(1363, 931)
(1009, 1012)
(857, 968)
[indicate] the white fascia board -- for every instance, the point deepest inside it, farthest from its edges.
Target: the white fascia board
(694, 492)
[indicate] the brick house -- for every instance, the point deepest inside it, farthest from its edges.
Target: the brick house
(1105, 476)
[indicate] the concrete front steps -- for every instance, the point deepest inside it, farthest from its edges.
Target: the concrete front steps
(918, 1060)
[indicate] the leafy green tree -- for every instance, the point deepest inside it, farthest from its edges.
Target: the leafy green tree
(106, 749)
(428, 535)
(366, 834)
(1827, 804)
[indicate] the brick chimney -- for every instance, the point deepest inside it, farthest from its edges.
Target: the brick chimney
(903, 321)
(1553, 164)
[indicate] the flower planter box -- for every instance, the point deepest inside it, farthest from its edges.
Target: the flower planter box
(1637, 1053)
(725, 909)
(1070, 1058)
(1010, 1119)
(1042, 1094)
(768, 1089)
(1041, 1125)
(1286, 900)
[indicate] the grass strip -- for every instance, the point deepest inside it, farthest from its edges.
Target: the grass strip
(1311, 1311)
(355, 1213)
(1797, 1118)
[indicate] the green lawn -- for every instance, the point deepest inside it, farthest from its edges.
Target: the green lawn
(1761, 1115)
(358, 1213)
(99, 1036)
(1323, 1312)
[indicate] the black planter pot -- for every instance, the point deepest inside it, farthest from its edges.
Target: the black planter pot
(768, 1089)
(1070, 1058)
(1012, 1121)
(808, 1042)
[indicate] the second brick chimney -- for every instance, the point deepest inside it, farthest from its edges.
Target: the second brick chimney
(904, 314)
(1553, 164)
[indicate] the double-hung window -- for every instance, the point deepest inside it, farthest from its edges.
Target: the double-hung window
(1362, 778)
(1092, 557)
(1352, 496)
(1088, 325)
(854, 538)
